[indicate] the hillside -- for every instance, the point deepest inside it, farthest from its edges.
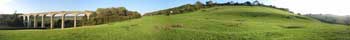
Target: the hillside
(216, 23)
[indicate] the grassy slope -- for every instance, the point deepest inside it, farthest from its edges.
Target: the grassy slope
(218, 23)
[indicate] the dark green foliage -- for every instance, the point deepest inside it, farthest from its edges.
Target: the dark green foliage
(247, 3)
(291, 26)
(11, 20)
(297, 17)
(209, 3)
(298, 14)
(199, 5)
(107, 15)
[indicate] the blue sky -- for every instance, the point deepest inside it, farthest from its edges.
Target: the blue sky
(337, 7)
(142, 6)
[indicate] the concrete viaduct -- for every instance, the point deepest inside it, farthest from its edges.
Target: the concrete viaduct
(31, 19)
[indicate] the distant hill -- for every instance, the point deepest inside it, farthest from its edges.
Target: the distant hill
(332, 19)
(215, 23)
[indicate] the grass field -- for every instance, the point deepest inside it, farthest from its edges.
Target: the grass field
(217, 23)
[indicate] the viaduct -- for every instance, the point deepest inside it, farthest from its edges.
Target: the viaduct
(30, 20)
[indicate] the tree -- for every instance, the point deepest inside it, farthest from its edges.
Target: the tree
(100, 12)
(298, 14)
(209, 3)
(199, 5)
(189, 7)
(122, 10)
(228, 3)
(256, 2)
(114, 11)
(105, 15)
(248, 3)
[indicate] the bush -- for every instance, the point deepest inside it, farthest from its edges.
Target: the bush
(291, 26)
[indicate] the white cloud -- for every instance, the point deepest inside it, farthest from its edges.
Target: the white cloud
(336, 7)
(5, 1)
(4, 7)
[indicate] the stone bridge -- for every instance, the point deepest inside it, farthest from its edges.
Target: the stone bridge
(30, 20)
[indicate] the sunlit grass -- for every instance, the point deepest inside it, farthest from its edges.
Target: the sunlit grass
(217, 23)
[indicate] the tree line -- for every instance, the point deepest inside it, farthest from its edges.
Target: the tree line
(333, 19)
(198, 5)
(10, 20)
(108, 15)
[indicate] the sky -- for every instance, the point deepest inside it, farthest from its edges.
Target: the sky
(335, 7)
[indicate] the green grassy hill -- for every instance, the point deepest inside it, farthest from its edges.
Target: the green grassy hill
(217, 23)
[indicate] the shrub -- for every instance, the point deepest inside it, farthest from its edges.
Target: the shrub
(291, 26)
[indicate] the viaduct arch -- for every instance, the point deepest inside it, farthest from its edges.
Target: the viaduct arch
(31, 20)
